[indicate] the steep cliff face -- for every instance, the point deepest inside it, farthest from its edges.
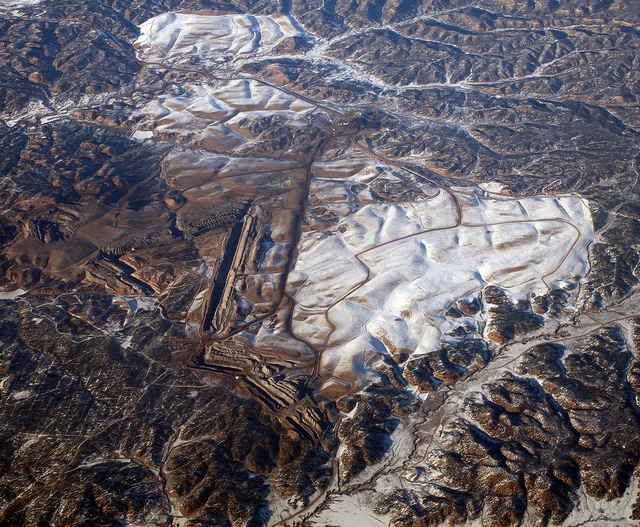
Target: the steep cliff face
(294, 263)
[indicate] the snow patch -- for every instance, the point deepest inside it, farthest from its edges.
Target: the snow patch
(141, 135)
(178, 35)
(219, 117)
(135, 304)
(18, 3)
(11, 295)
(21, 395)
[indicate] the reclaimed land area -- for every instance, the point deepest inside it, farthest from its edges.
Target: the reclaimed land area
(319, 263)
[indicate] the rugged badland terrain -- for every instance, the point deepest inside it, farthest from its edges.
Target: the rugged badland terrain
(319, 262)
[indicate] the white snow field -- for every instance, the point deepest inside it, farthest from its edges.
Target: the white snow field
(213, 37)
(380, 282)
(217, 117)
(216, 114)
(18, 3)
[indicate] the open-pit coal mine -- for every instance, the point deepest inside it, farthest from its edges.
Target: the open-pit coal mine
(319, 263)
